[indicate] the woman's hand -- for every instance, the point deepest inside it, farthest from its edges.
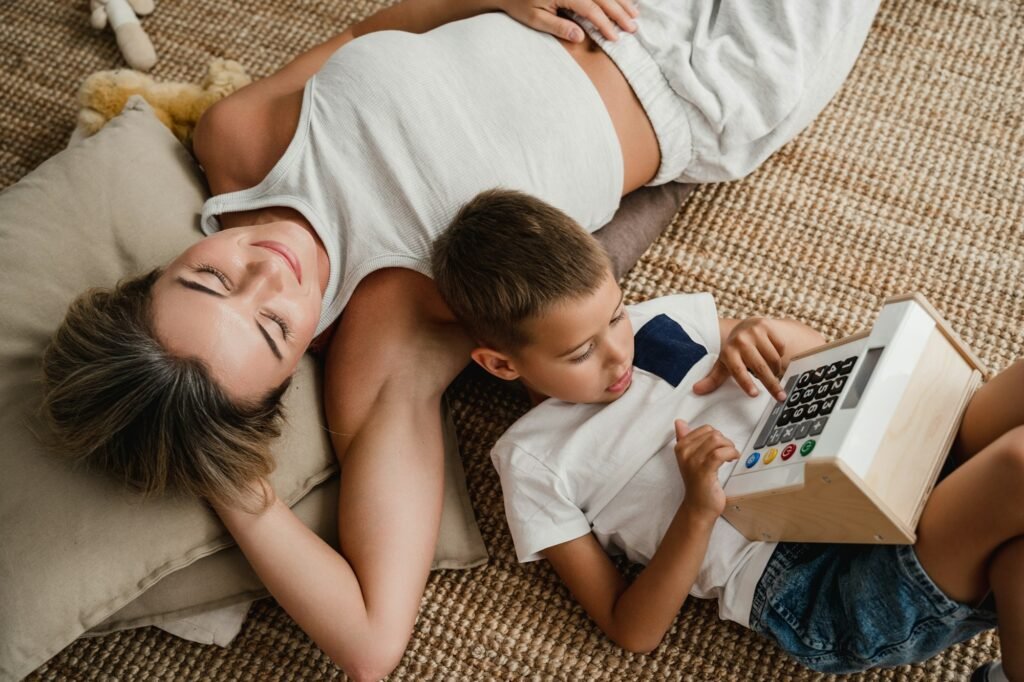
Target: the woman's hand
(754, 346)
(700, 454)
(542, 15)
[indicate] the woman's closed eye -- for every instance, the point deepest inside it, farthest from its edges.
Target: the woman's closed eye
(205, 267)
(286, 331)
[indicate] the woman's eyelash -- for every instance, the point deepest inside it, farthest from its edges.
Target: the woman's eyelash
(285, 329)
(618, 318)
(203, 267)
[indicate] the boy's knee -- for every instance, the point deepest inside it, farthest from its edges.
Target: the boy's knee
(1010, 453)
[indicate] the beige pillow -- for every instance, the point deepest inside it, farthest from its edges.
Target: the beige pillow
(75, 548)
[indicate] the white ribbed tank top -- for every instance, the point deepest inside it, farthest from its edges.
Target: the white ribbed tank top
(397, 131)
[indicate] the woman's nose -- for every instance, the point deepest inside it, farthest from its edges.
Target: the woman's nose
(266, 273)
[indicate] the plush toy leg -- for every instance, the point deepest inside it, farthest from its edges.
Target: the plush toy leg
(102, 96)
(224, 76)
(131, 39)
(136, 47)
(142, 7)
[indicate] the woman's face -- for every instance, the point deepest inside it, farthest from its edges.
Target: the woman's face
(244, 300)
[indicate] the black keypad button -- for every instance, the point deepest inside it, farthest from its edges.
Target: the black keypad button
(826, 406)
(846, 366)
(806, 395)
(812, 411)
(817, 375)
(817, 425)
(836, 387)
(804, 379)
(769, 423)
(832, 371)
(822, 391)
(786, 417)
(798, 414)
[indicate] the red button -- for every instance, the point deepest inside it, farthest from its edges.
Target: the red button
(788, 451)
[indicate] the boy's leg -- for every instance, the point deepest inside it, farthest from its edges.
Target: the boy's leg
(1004, 576)
(972, 516)
(997, 407)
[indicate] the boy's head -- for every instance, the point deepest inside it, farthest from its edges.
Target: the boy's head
(536, 292)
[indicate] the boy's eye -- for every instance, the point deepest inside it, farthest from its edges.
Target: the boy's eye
(618, 318)
(580, 358)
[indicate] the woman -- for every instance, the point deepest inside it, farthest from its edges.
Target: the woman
(330, 180)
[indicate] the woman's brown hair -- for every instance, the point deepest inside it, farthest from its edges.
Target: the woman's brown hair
(118, 401)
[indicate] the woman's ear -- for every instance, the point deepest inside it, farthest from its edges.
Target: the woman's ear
(495, 362)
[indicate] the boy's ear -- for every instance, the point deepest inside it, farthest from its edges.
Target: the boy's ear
(495, 362)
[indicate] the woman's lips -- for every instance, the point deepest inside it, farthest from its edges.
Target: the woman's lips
(286, 253)
(622, 382)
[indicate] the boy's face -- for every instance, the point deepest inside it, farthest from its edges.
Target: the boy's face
(580, 350)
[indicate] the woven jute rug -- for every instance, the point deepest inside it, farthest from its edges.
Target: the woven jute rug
(912, 179)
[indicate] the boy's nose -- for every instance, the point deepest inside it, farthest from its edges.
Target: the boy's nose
(617, 354)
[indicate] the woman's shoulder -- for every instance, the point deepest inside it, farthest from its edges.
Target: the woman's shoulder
(239, 139)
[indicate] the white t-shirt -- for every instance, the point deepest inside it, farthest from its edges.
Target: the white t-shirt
(568, 469)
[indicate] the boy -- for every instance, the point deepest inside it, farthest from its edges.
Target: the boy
(636, 409)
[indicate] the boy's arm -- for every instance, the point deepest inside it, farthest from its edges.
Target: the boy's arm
(760, 347)
(635, 616)
(638, 616)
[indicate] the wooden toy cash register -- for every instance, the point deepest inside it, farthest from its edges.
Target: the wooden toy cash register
(855, 449)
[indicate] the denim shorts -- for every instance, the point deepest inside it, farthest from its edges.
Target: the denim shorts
(844, 608)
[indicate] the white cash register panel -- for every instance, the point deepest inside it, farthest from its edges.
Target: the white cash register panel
(856, 447)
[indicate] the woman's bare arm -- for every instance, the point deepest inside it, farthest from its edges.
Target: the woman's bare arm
(392, 356)
(420, 16)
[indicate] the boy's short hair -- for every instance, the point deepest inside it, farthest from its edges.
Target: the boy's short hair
(507, 257)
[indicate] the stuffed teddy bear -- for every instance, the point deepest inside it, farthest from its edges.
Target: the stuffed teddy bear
(123, 17)
(177, 105)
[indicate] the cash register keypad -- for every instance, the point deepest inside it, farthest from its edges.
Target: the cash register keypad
(811, 397)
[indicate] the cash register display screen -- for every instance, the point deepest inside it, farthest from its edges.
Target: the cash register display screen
(867, 368)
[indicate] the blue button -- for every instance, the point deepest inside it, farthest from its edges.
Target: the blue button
(752, 460)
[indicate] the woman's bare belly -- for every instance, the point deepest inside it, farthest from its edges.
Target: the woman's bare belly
(640, 154)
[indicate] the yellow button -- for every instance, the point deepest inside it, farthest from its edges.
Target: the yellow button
(770, 455)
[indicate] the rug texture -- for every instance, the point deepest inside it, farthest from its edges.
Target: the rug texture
(912, 179)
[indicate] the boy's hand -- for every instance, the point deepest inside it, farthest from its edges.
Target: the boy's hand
(700, 454)
(753, 347)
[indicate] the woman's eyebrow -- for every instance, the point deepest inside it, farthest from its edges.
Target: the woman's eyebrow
(270, 341)
(196, 286)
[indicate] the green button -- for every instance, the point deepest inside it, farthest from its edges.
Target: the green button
(806, 448)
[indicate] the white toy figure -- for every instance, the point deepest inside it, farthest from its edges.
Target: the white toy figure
(123, 17)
